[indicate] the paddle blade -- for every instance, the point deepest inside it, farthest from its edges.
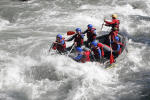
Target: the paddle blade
(70, 32)
(111, 58)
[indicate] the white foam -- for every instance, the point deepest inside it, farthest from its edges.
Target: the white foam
(3, 24)
(57, 77)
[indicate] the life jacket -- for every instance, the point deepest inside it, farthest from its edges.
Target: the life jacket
(78, 39)
(115, 46)
(113, 34)
(86, 56)
(90, 34)
(116, 25)
(96, 53)
(101, 46)
(60, 47)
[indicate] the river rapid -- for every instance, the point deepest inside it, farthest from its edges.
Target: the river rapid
(29, 72)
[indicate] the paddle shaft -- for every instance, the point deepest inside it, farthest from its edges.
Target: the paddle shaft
(70, 50)
(111, 55)
(93, 55)
(51, 47)
(110, 46)
(101, 27)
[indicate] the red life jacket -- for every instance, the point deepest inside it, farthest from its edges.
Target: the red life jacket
(86, 56)
(113, 34)
(101, 46)
(95, 50)
(90, 33)
(79, 39)
(115, 45)
(60, 47)
(116, 24)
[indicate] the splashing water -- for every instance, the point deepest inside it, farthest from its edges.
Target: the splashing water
(28, 72)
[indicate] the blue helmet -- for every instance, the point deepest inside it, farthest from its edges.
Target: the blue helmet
(79, 49)
(117, 38)
(59, 36)
(90, 26)
(78, 29)
(94, 43)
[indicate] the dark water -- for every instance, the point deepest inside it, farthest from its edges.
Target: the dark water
(28, 72)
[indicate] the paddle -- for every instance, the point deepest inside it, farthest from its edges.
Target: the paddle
(51, 47)
(111, 55)
(70, 50)
(93, 56)
(101, 28)
(70, 32)
(66, 61)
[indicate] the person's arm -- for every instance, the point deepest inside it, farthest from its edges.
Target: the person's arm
(99, 52)
(118, 48)
(71, 38)
(100, 55)
(82, 35)
(78, 58)
(110, 23)
(121, 44)
(85, 32)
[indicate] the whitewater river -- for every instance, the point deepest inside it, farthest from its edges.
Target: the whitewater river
(29, 72)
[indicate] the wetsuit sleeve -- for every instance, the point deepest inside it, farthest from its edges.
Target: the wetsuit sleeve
(71, 38)
(85, 32)
(110, 23)
(99, 52)
(78, 58)
(121, 44)
(118, 47)
(82, 35)
(62, 42)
